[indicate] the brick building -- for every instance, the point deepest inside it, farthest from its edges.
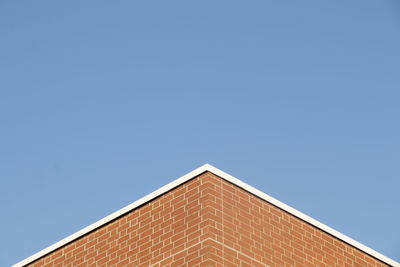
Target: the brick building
(207, 218)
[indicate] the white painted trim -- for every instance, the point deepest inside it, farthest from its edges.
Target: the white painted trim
(304, 217)
(184, 179)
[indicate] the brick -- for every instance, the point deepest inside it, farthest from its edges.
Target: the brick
(207, 222)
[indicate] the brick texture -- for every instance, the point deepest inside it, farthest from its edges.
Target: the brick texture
(207, 222)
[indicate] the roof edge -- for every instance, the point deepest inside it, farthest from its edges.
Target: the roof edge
(305, 217)
(185, 178)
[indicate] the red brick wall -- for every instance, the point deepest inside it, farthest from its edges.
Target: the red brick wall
(248, 231)
(207, 222)
(166, 231)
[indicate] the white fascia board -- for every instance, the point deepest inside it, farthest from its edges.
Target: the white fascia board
(303, 217)
(114, 215)
(227, 177)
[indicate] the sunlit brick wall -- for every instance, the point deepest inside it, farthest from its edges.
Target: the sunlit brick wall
(207, 222)
(167, 231)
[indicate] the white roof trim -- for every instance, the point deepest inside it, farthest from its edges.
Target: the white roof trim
(227, 177)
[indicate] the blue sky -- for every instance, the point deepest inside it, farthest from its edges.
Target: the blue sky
(103, 102)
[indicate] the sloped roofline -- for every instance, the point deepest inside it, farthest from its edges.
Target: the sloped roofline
(227, 177)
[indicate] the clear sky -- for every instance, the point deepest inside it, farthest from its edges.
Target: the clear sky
(103, 102)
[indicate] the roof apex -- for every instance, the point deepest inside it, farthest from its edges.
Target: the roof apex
(227, 177)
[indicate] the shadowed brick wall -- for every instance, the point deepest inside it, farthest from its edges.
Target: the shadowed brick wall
(248, 231)
(207, 222)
